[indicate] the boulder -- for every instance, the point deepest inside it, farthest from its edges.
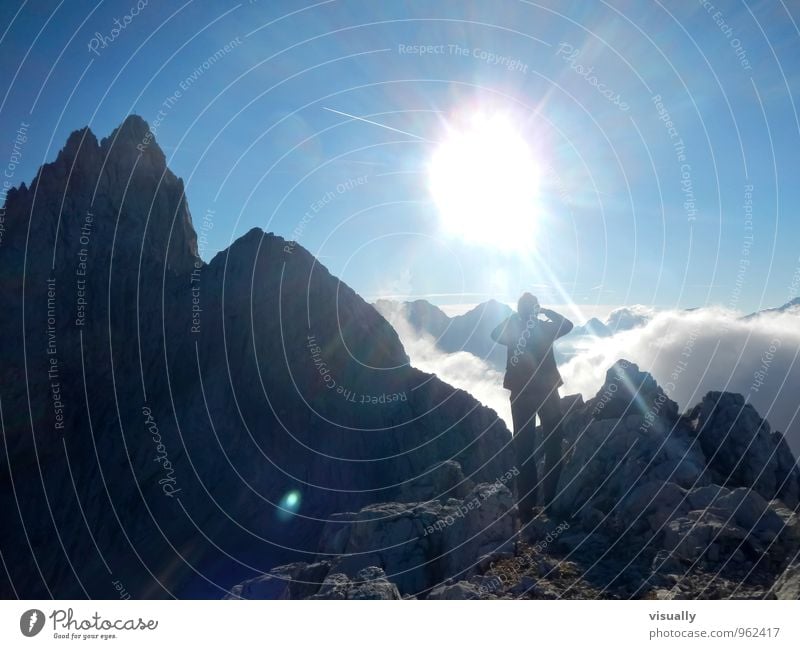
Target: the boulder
(418, 545)
(293, 581)
(787, 585)
(369, 583)
(741, 449)
(704, 486)
(459, 590)
(442, 480)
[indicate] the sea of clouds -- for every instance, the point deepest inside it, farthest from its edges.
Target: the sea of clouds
(689, 353)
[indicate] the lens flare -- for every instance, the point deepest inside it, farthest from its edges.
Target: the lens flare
(289, 505)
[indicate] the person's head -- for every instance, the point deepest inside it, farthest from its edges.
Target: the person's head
(528, 306)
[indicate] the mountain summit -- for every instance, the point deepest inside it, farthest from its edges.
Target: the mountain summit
(177, 426)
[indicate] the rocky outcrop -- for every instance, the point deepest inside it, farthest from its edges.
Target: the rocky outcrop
(788, 584)
(184, 426)
(741, 449)
(416, 546)
(316, 581)
(650, 503)
(714, 487)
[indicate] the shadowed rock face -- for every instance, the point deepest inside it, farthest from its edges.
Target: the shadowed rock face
(650, 503)
(157, 409)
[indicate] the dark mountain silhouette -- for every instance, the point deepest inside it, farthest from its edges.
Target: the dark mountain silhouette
(175, 426)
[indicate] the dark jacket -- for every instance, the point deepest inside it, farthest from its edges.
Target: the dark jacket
(530, 362)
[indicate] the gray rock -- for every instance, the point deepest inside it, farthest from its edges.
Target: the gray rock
(674, 487)
(369, 583)
(292, 581)
(443, 480)
(787, 585)
(741, 449)
(418, 544)
(459, 590)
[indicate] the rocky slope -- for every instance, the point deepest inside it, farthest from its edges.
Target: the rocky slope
(177, 426)
(651, 504)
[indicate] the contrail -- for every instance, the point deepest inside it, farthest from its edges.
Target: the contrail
(369, 121)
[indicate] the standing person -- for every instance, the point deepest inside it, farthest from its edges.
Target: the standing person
(533, 379)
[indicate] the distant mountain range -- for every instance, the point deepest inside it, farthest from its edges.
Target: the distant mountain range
(793, 306)
(468, 332)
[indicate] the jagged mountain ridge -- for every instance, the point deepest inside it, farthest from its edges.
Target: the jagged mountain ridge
(467, 332)
(184, 400)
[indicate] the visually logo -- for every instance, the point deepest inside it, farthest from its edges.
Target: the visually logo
(31, 622)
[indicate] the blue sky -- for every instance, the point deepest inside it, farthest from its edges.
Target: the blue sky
(253, 139)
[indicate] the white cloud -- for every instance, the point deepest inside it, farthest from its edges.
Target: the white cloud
(692, 352)
(628, 317)
(461, 369)
(688, 352)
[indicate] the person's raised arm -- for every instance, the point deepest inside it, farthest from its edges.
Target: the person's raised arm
(563, 326)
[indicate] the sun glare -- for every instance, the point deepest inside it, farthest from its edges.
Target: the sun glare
(484, 181)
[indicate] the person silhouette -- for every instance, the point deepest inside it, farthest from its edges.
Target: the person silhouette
(533, 379)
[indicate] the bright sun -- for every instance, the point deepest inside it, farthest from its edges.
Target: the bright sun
(484, 180)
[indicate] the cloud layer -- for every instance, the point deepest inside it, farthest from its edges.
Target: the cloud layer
(688, 352)
(460, 369)
(692, 352)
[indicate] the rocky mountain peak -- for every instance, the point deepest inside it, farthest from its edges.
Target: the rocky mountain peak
(627, 390)
(215, 393)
